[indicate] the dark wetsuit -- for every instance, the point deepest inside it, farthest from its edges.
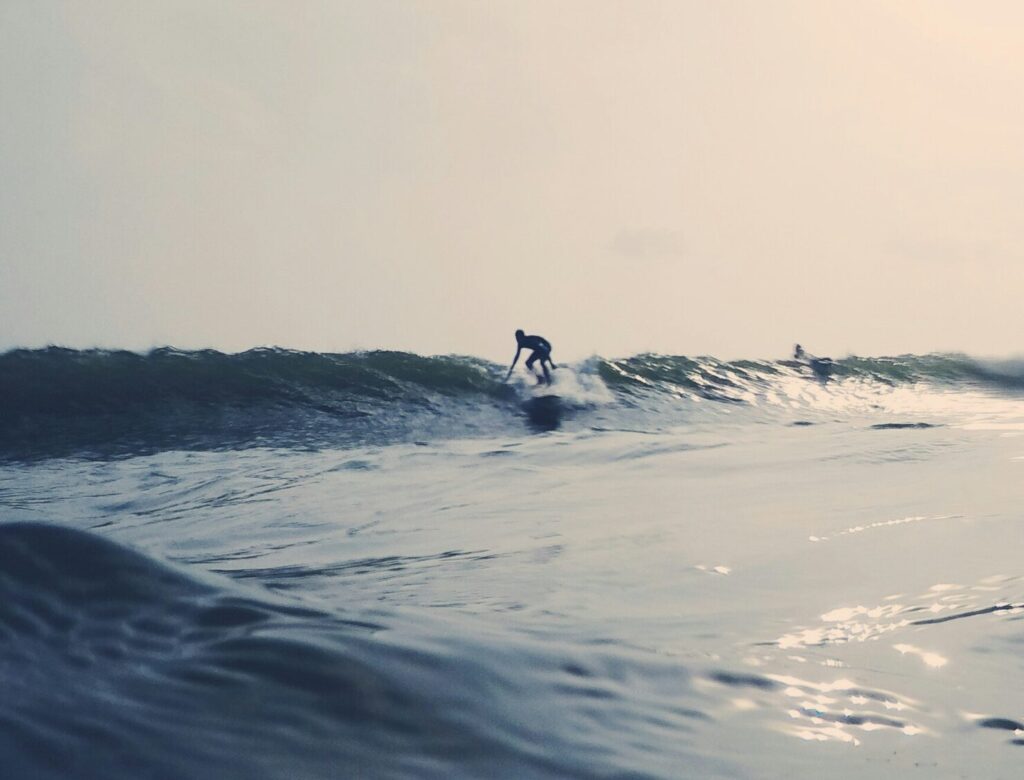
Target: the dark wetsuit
(541, 348)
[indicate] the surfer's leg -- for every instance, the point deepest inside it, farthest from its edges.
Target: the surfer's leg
(529, 365)
(545, 358)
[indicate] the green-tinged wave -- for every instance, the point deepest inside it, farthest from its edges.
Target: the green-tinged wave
(61, 401)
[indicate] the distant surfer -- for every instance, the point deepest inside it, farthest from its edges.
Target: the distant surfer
(541, 351)
(822, 367)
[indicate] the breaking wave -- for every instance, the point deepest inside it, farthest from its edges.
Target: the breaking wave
(59, 401)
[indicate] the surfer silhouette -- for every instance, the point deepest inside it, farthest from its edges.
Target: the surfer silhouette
(541, 351)
(822, 367)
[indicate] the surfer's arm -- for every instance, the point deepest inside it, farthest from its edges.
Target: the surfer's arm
(514, 361)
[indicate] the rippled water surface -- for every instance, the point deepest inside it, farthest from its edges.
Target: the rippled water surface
(818, 578)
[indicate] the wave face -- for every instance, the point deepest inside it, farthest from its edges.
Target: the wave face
(61, 401)
(94, 402)
(720, 380)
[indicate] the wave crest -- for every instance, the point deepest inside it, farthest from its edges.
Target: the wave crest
(96, 402)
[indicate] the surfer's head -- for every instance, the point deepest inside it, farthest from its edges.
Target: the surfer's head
(520, 335)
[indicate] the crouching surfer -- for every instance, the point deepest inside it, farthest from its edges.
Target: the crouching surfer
(541, 351)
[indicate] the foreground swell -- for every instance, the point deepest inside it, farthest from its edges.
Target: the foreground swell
(116, 665)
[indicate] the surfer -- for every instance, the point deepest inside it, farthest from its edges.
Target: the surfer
(822, 367)
(541, 351)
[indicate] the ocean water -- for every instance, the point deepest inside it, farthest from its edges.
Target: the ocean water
(289, 565)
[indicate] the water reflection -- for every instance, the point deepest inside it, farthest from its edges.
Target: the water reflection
(838, 710)
(829, 703)
(934, 660)
(881, 524)
(945, 601)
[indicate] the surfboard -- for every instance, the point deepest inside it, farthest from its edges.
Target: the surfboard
(822, 366)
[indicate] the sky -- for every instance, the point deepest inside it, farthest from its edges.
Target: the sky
(722, 178)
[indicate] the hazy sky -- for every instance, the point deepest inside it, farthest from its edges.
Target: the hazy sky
(704, 177)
